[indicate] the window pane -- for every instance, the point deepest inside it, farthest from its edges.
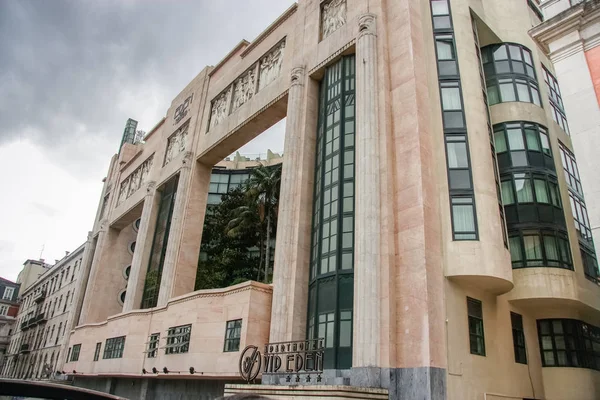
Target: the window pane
(551, 248)
(451, 98)
(499, 141)
(515, 52)
(516, 252)
(457, 155)
(500, 53)
(515, 139)
(523, 91)
(507, 91)
(545, 143)
(493, 95)
(541, 192)
(508, 196)
(441, 22)
(445, 48)
(524, 193)
(533, 248)
(463, 220)
(532, 139)
(439, 7)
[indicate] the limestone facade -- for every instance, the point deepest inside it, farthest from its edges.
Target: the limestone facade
(37, 347)
(435, 296)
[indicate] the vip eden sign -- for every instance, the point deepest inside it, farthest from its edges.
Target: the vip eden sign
(299, 357)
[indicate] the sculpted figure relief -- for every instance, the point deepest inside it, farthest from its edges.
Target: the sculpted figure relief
(332, 17)
(270, 65)
(176, 143)
(135, 180)
(243, 88)
(218, 111)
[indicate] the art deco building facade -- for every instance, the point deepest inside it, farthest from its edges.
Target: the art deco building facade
(425, 230)
(9, 307)
(37, 346)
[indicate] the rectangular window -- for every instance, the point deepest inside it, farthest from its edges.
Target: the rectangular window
(75, 352)
(8, 293)
(233, 333)
(113, 348)
(570, 168)
(97, 351)
(178, 339)
(69, 355)
(476, 336)
(452, 105)
(463, 218)
(152, 350)
(518, 338)
(558, 111)
(3, 309)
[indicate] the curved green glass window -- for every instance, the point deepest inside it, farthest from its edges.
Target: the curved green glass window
(540, 248)
(569, 343)
(332, 265)
(522, 144)
(510, 74)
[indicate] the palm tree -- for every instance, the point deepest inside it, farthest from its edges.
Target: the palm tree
(263, 188)
(244, 219)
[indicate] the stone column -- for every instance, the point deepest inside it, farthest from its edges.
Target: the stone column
(290, 275)
(367, 225)
(139, 263)
(167, 279)
(88, 285)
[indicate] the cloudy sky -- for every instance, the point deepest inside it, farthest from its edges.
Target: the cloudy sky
(71, 73)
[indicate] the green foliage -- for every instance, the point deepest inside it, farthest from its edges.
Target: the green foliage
(236, 231)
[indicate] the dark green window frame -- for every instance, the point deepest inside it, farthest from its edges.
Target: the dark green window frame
(159, 243)
(571, 171)
(519, 344)
(113, 348)
(223, 181)
(510, 74)
(524, 143)
(153, 342)
(97, 351)
(569, 343)
(556, 104)
(530, 188)
(590, 264)
(75, 352)
(476, 331)
(331, 287)
(178, 339)
(233, 333)
(540, 248)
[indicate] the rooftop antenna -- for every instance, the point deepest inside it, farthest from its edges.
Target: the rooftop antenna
(42, 250)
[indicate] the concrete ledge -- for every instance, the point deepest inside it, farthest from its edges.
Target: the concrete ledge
(307, 392)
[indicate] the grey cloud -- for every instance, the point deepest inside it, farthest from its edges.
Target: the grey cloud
(72, 72)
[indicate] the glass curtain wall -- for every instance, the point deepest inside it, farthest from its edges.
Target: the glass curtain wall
(159, 243)
(332, 266)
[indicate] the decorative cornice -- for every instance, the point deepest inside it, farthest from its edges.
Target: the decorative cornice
(286, 14)
(241, 44)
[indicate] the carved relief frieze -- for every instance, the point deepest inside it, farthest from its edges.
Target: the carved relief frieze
(176, 143)
(219, 108)
(247, 85)
(270, 65)
(182, 110)
(135, 180)
(243, 88)
(333, 15)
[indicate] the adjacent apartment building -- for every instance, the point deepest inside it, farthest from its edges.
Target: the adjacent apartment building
(9, 307)
(426, 231)
(569, 36)
(37, 345)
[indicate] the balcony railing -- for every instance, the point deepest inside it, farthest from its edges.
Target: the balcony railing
(41, 318)
(40, 296)
(25, 348)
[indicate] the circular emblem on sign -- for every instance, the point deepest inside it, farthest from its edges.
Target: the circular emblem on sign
(250, 362)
